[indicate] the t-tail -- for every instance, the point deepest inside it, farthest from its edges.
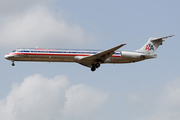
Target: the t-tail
(152, 45)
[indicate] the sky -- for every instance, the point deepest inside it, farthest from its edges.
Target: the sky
(146, 90)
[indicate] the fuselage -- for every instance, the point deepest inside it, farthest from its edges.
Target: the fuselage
(88, 58)
(62, 55)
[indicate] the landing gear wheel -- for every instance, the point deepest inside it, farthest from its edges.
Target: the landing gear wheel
(93, 68)
(97, 65)
(13, 63)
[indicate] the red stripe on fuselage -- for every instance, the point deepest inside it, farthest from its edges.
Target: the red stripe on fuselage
(55, 54)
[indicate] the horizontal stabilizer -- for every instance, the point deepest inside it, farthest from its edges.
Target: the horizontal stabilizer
(156, 39)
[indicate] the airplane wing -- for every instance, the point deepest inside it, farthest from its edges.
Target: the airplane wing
(100, 57)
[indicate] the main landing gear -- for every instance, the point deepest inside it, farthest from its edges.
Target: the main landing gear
(94, 66)
(13, 63)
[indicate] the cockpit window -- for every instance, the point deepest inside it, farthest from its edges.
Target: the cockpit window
(14, 51)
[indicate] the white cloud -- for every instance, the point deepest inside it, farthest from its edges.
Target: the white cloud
(169, 102)
(40, 98)
(19, 6)
(40, 27)
(163, 104)
(83, 99)
(31, 23)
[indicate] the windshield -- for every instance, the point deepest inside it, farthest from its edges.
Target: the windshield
(14, 51)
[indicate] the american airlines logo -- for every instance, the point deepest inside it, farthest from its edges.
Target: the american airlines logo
(149, 47)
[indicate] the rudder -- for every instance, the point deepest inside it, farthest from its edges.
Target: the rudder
(152, 45)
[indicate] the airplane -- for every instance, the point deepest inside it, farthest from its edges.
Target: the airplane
(88, 58)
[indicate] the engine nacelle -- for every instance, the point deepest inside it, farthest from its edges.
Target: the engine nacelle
(127, 54)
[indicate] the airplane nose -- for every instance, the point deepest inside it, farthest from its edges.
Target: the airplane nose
(9, 56)
(6, 56)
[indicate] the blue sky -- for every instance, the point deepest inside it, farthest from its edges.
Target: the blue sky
(145, 90)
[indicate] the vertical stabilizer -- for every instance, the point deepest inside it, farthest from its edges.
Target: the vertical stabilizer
(152, 45)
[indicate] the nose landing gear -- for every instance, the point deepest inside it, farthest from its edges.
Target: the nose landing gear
(13, 63)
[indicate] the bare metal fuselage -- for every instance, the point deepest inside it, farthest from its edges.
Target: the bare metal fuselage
(48, 55)
(88, 58)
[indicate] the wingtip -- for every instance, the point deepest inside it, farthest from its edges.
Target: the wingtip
(123, 44)
(171, 35)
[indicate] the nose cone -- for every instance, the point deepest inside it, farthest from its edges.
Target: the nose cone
(6, 56)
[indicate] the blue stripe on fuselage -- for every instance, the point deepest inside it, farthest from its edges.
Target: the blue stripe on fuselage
(58, 51)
